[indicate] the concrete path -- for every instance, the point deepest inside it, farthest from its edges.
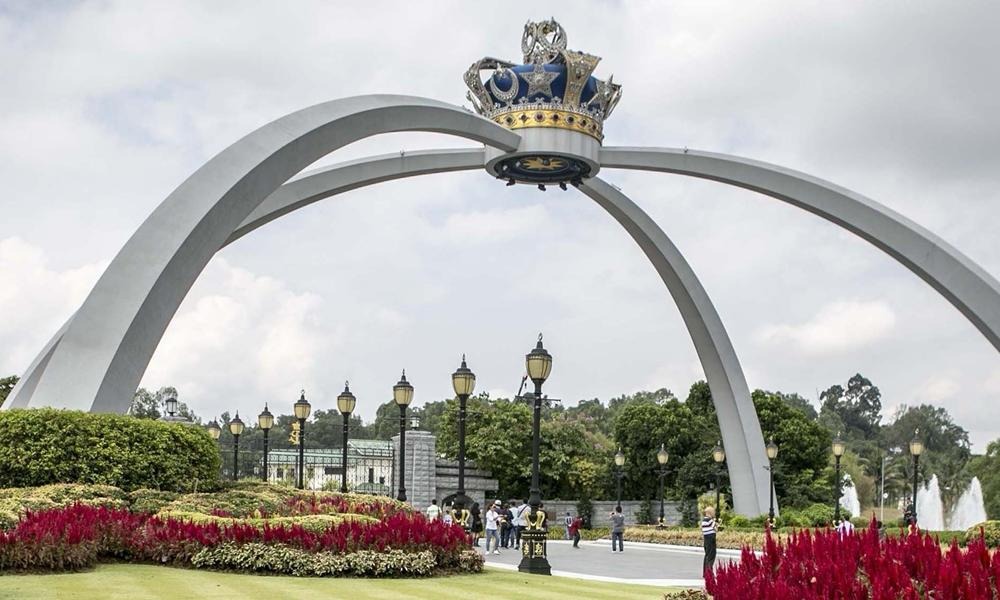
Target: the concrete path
(647, 564)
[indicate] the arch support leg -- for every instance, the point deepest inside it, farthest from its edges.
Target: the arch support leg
(746, 456)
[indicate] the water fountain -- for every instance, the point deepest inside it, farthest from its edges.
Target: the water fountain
(970, 509)
(930, 509)
(849, 497)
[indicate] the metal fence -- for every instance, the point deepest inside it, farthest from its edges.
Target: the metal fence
(369, 466)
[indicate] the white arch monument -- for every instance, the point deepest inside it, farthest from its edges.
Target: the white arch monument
(541, 124)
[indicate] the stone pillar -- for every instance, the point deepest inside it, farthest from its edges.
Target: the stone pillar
(421, 481)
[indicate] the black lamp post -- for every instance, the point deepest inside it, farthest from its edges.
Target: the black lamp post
(402, 394)
(772, 453)
(345, 403)
(619, 475)
(662, 456)
(533, 549)
(719, 456)
(464, 382)
(214, 431)
(265, 421)
(838, 450)
(170, 401)
(302, 410)
(236, 428)
(916, 449)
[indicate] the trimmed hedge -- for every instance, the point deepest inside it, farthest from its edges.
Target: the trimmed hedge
(15, 502)
(557, 533)
(285, 560)
(991, 533)
(44, 446)
(314, 523)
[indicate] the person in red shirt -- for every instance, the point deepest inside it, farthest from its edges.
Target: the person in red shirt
(574, 530)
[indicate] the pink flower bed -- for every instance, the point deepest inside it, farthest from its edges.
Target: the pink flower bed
(77, 536)
(823, 564)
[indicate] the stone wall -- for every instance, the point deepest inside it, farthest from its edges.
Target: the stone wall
(557, 509)
(431, 478)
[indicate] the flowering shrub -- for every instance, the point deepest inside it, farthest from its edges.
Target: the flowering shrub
(330, 503)
(824, 564)
(293, 561)
(77, 536)
(726, 538)
(14, 502)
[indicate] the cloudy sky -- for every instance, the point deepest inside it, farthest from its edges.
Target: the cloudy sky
(107, 106)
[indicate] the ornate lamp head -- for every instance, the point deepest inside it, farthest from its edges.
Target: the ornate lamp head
(553, 89)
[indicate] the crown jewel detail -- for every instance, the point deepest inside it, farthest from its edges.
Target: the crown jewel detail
(553, 88)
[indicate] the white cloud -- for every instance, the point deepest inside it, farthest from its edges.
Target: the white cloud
(35, 300)
(238, 331)
(838, 327)
(939, 390)
(495, 226)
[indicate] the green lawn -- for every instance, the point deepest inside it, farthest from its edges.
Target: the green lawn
(141, 582)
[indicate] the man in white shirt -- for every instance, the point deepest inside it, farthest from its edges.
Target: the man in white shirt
(433, 511)
(492, 527)
(520, 522)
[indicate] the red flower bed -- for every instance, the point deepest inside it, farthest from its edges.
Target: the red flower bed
(76, 536)
(824, 564)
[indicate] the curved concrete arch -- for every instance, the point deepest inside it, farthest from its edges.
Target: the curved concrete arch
(725, 376)
(746, 457)
(301, 190)
(969, 288)
(98, 361)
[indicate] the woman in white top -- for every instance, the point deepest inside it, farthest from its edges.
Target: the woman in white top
(708, 529)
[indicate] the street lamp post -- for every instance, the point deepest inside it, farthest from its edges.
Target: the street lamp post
(534, 557)
(170, 401)
(464, 382)
(772, 453)
(838, 451)
(402, 394)
(214, 431)
(619, 474)
(916, 449)
(662, 456)
(265, 421)
(719, 456)
(345, 403)
(302, 410)
(236, 428)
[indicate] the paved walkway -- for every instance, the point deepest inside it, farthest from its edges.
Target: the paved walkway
(648, 564)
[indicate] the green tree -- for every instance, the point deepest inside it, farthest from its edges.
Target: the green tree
(858, 408)
(803, 450)
(987, 469)
(947, 449)
(642, 426)
(6, 385)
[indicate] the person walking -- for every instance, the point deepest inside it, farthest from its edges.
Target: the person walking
(574, 530)
(618, 529)
(433, 511)
(567, 521)
(448, 515)
(520, 521)
(476, 526)
(506, 527)
(492, 527)
(708, 530)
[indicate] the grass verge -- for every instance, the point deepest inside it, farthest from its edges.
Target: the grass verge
(150, 582)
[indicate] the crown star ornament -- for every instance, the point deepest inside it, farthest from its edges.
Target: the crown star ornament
(554, 86)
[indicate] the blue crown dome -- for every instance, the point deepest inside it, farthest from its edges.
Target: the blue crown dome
(534, 83)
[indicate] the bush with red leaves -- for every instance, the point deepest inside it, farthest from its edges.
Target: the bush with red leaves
(77, 536)
(824, 564)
